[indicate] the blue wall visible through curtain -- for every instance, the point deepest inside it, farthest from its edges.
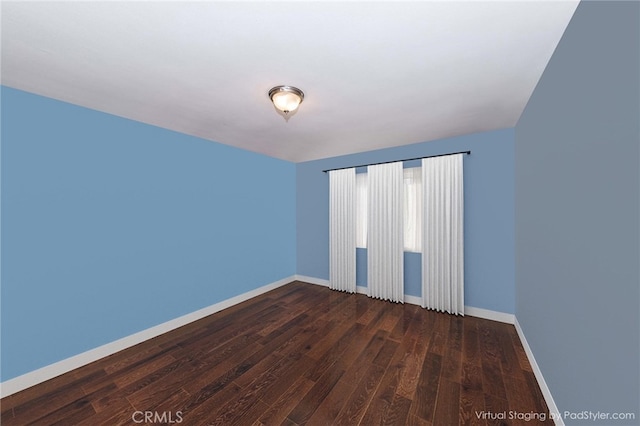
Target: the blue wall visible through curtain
(412, 271)
(489, 216)
(111, 226)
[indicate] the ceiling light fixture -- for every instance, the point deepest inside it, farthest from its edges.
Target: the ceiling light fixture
(286, 100)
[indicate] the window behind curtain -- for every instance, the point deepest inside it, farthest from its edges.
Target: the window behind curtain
(412, 209)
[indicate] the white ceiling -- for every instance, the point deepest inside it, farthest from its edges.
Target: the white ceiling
(375, 74)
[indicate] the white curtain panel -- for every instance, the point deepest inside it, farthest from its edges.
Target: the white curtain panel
(362, 189)
(385, 260)
(443, 238)
(342, 230)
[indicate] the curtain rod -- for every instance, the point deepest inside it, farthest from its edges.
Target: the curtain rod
(395, 161)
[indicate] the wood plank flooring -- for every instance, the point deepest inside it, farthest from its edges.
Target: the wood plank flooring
(302, 354)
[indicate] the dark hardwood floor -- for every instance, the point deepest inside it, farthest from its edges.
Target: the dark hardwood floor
(301, 354)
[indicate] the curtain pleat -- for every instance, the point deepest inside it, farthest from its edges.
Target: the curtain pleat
(385, 245)
(342, 230)
(362, 185)
(443, 234)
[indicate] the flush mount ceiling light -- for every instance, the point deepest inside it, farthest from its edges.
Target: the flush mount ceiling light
(286, 99)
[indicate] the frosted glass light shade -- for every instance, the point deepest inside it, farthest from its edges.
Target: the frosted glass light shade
(286, 98)
(286, 102)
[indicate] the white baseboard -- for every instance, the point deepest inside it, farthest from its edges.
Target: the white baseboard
(415, 300)
(312, 280)
(546, 393)
(40, 375)
(489, 314)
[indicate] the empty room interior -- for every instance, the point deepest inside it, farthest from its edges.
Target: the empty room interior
(257, 213)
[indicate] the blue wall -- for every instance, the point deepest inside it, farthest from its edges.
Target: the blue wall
(577, 214)
(110, 226)
(489, 215)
